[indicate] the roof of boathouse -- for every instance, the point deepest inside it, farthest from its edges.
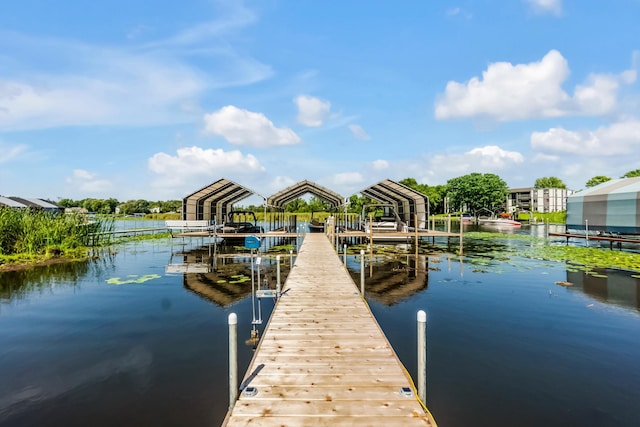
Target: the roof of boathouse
(613, 206)
(281, 198)
(408, 201)
(213, 201)
(28, 202)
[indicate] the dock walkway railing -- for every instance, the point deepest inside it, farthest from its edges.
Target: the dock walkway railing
(183, 226)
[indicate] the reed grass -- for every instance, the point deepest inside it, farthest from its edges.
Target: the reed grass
(30, 232)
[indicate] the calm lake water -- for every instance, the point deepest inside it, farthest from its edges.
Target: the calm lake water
(139, 337)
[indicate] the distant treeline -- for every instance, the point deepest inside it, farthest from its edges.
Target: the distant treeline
(108, 206)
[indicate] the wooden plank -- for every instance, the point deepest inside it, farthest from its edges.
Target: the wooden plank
(323, 359)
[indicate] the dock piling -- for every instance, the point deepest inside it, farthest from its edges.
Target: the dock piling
(362, 272)
(278, 285)
(344, 254)
(233, 360)
(422, 356)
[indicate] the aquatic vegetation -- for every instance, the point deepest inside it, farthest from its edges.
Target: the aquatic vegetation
(132, 278)
(36, 232)
(578, 258)
(587, 258)
(239, 278)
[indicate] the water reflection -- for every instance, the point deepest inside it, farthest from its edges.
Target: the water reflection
(617, 288)
(20, 284)
(390, 280)
(224, 278)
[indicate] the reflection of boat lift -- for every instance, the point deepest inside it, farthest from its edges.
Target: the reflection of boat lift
(253, 243)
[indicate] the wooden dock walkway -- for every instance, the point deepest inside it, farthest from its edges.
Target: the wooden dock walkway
(323, 359)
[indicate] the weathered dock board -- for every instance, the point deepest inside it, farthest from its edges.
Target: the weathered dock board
(323, 359)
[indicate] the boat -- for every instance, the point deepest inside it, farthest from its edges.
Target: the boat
(380, 219)
(315, 226)
(498, 222)
(466, 217)
(239, 222)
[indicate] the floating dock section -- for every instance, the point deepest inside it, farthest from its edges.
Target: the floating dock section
(323, 359)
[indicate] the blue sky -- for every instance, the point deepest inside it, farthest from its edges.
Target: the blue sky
(138, 99)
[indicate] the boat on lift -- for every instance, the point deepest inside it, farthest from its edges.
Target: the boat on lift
(315, 225)
(383, 222)
(239, 222)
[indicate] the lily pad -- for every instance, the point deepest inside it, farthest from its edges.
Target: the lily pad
(132, 278)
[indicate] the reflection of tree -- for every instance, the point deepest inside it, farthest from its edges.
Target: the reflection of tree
(394, 280)
(17, 285)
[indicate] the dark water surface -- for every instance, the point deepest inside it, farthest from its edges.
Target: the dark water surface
(507, 346)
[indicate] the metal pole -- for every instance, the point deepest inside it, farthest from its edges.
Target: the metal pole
(422, 356)
(290, 258)
(586, 230)
(460, 251)
(345, 253)
(278, 287)
(233, 360)
(253, 293)
(362, 272)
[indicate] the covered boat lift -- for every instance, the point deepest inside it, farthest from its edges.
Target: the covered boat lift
(214, 201)
(281, 198)
(407, 202)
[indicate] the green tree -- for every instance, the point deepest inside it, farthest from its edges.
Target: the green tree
(170, 205)
(477, 191)
(318, 205)
(435, 193)
(549, 182)
(134, 206)
(632, 174)
(297, 205)
(356, 203)
(596, 180)
(68, 203)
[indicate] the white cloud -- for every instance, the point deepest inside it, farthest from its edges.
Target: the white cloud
(358, 132)
(439, 168)
(545, 158)
(89, 183)
(380, 165)
(492, 156)
(243, 127)
(530, 91)
(280, 183)
(621, 138)
(546, 6)
(457, 11)
(11, 152)
(90, 84)
(312, 111)
(197, 160)
(347, 179)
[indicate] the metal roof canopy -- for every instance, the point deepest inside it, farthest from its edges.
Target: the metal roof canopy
(281, 198)
(213, 201)
(613, 206)
(407, 201)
